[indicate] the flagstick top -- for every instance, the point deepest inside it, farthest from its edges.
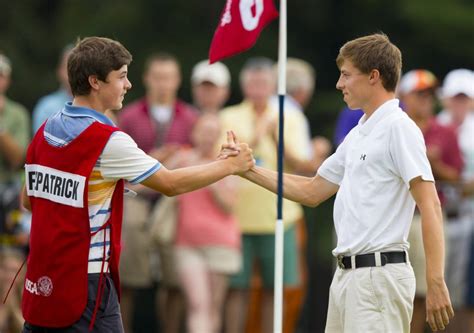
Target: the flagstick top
(282, 50)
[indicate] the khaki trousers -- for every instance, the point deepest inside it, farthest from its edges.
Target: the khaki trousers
(371, 299)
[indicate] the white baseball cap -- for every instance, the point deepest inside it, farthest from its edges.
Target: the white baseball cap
(217, 73)
(458, 81)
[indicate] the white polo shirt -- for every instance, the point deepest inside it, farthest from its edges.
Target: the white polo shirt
(373, 167)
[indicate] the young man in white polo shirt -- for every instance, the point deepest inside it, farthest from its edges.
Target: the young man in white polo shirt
(379, 172)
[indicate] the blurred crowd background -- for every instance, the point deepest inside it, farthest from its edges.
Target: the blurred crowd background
(202, 262)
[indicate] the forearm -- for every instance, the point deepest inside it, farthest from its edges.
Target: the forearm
(307, 191)
(433, 240)
(13, 152)
(178, 181)
(426, 198)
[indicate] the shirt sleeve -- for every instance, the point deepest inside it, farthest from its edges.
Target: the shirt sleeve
(122, 159)
(408, 151)
(333, 167)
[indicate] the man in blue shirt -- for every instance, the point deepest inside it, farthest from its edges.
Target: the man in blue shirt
(50, 104)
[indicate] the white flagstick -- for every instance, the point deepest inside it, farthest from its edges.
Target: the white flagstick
(279, 230)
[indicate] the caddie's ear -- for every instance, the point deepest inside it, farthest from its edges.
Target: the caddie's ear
(374, 76)
(94, 82)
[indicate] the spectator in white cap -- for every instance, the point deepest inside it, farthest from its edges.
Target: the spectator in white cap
(457, 94)
(210, 86)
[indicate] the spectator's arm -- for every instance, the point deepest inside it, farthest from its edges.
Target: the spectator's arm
(14, 139)
(468, 187)
(321, 150)
(441, 170)
(11, 150)
(225, 194)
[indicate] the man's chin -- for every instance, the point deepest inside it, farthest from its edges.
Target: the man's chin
(352, 106)
(117, 107)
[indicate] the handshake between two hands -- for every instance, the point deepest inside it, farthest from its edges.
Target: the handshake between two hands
(238, 154)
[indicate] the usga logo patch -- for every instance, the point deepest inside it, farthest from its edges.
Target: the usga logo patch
(43, 287)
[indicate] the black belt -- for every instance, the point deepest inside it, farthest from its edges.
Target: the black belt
(368, 260)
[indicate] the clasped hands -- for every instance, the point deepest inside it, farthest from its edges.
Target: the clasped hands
(238, 154)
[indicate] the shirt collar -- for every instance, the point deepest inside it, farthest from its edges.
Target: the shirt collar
(366, 125)
(80, 112)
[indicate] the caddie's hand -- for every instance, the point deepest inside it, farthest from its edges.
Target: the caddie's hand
(230, 148)
(244, 161)
(438, 306)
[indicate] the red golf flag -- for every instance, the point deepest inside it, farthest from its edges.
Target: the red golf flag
(239, 27)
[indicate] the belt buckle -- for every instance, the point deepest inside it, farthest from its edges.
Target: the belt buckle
(339, 261)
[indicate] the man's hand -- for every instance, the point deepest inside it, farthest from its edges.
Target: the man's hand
(240, 154)
(230, 148)
(438, 305)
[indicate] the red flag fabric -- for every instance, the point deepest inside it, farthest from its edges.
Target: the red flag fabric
(239, 27)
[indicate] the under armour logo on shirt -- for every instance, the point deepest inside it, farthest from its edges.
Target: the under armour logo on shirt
(362, 157)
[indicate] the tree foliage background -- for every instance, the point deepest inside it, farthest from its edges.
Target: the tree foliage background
(432, 34)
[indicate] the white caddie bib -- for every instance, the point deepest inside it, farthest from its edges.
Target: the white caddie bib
(55, 185)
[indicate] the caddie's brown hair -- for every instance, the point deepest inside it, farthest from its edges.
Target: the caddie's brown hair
(94, 56)
(374, 52)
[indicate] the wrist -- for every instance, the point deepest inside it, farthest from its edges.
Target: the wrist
(433, 280)
(230, 167)
(248, 174)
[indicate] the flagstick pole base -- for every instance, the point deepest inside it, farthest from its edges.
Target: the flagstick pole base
(278, 291)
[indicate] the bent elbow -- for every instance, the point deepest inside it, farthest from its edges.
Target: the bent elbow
(312, 203)
(170, 191)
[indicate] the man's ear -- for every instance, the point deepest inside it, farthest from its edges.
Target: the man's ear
(374, 76)
(94, 82)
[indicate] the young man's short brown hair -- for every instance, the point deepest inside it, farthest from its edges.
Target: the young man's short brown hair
(374, 52)
(94, 56)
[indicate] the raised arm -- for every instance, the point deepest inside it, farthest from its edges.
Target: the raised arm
(13, 152)
(438, 304)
